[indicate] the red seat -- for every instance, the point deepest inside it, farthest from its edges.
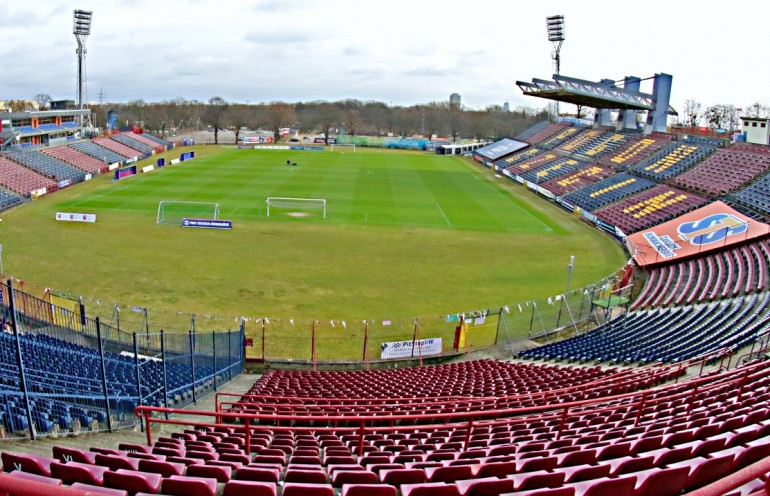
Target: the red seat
(629, 464)
(220, 473)
(136, 448)
(704, 471)
(396, 477)
(605, 487)
(66, 454)
(306, 476)
(429, 489)
(35, 477)
(34, 464)
(537, 480)
(341, 477)
(181, 485)
(133, 481)
(164, 468)
(259, 474)
(115, 462)
(451, 473)
(73, 472)
(91, 489)
(561, 491)
(539, 463)
(306, 489)
(580, 473)
(487, 486)
(249, 488)
(368, 490)
(660, 482)
(496, 469)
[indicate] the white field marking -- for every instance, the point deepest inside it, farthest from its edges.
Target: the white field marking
(445, 217)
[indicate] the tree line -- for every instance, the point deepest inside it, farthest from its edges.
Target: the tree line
(354, 116)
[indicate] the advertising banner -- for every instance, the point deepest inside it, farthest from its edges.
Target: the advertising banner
(208, 223)
(708, 228)
(125, 172)
(410, 348)
(73, 217)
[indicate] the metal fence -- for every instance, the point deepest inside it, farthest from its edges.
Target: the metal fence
(63, 372)
(314, 341)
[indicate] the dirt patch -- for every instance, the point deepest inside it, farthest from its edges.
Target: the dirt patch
(298, 214)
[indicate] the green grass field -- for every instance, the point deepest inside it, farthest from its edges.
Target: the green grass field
(408, 234)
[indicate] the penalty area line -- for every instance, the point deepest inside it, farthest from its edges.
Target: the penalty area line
(442, 213)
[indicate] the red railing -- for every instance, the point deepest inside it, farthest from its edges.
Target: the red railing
(362, 424)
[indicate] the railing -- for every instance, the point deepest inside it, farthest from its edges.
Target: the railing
(363, 424)
(62, 372)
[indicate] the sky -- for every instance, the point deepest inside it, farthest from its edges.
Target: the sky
(398, 52)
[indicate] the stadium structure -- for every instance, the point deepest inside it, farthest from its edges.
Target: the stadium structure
(668, 395)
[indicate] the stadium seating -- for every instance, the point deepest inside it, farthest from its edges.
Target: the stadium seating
(117, 147)
(559, 138)
(540, 132)
(153, 142)
(608, 190)
(106, 155)
(594, 143)
(666, 334)
(49, 166)
(77, 159)
(575, 180)
(724, 171)
(755, 197)
(721, 274)
(533, 163)
(674, 159)
(665, 440)
(648, 208)
(635, 149)
(552, 170)
(519, 156)
(131, 142)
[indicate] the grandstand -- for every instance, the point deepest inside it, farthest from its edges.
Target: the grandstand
(647, 397)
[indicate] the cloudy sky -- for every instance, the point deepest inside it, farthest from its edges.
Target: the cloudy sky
(400, 52)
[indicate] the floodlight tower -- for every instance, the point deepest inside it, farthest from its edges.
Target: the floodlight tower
(555, 26)
(81, 28)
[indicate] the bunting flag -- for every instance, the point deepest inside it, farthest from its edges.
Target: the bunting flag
(344, 324)
(520, 310)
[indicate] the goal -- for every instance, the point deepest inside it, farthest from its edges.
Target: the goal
(173, 211)
(340, 145)
(297, 207)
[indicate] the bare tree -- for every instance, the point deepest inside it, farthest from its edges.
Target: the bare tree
(42, 100)
(215, 115)
(692, 112)
(276, 115)
(329, 116)
(239, 116)
(758, 110)
(722, 116)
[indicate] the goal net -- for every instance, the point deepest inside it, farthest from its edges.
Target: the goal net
(339, 146)
(295, 207)
(172, 212)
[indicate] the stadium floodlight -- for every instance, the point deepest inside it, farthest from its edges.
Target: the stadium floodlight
(555, 26)
(81, 28)
(81, 22)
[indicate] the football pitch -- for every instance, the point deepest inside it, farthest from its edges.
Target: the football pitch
(406, 234)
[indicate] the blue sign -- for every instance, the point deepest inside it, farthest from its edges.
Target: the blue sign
(208, 223)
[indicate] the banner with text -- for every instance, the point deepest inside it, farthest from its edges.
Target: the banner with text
(410, 348)
(208, 223)
(708, 228)
(73, 217)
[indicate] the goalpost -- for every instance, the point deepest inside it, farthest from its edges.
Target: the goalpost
(343, 145)
(173, 211)
(296, 204)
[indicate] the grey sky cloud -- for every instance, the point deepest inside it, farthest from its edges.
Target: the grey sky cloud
(403, 52)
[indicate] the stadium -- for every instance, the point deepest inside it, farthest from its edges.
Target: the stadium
(577, 308)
